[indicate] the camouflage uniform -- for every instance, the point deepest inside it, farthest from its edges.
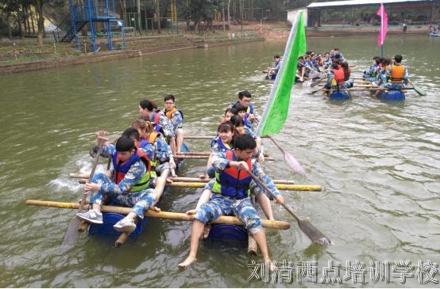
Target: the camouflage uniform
(220, 205)
(119, 194)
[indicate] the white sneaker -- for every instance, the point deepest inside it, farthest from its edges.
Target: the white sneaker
(91, 216)
(126, 225)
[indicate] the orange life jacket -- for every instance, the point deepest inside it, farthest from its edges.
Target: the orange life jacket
(397, 73)
(169, 113)
(339, 76)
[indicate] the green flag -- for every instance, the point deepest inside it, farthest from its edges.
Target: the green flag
(275, 113)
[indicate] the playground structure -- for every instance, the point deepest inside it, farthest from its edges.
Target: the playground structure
(95, 13)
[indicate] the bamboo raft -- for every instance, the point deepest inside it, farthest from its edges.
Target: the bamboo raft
(280, 225)
(181, 182)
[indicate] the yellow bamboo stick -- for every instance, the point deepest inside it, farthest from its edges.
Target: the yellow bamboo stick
(280, 225)
(285, 187)
(186, 179)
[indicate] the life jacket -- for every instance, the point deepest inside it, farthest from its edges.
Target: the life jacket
(397, 73)
(156, 122)
(153, 163)
(320, 62)
(222, 146)
(121, 169)
(169, 114)
(339, 76)
(232, 182)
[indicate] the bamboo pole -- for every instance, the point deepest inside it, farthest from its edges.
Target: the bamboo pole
(202, 154)
(198, 137)
(365, 89)
(186, 179)
(195, 157)
(285, 187)
(280, 225)
(197, 185)
(203, 137)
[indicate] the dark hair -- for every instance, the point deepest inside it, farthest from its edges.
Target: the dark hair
(236, 120)
(146, 104)
(169, 97)
(276, 56)
(244, 142)
(386, 61)
(231, 110)
(346, 69)
(239, 107)
(226, 126)
(125, 144)
(132, 133)
(398, 58)
(244, 93)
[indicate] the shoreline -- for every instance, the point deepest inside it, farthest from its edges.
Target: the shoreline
(26, 57)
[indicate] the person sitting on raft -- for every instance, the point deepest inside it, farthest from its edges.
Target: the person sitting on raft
(273, 71)
(147, 109)
(128, 186)
(373, 72)
(382, 77)
(156, 148)
(232, 199)
(176, 118)
(244, 98)
(339, 77)
(241, 129)
(221, 143)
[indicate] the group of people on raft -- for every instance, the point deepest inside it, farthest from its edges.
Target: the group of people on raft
(315, 67)
(387, 74)
(330, 66)
(235, 151)
(141, 153)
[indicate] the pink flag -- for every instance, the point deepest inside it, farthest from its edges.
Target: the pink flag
(383, 25)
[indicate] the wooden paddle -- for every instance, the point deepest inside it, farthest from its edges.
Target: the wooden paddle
(289, 159)
(280, 225)
(72, 233)
(417, 89)
(308, 229)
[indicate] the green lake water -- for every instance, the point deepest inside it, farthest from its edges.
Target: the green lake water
(378, 164)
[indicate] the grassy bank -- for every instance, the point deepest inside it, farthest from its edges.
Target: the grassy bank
(21, 55)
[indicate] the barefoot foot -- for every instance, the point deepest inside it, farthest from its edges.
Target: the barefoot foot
(187, 262)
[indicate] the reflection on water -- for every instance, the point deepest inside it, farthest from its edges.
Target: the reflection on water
(378, 164)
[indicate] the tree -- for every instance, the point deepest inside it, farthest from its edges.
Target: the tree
(10, 8)
(39, 5)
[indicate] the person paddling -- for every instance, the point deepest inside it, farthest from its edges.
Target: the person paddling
(231, 197)
(128, 186)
